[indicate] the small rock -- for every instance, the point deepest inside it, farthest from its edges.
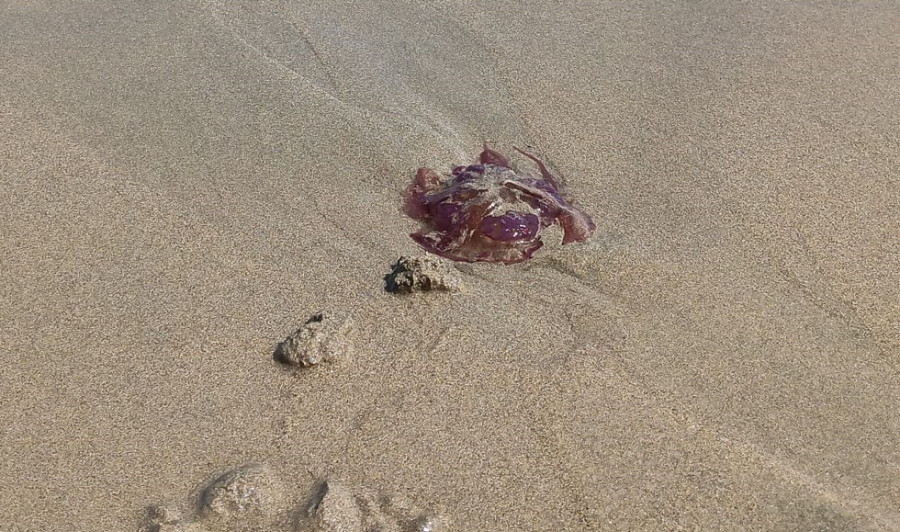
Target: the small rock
(325, 337)
(247, 489)
(422, 274)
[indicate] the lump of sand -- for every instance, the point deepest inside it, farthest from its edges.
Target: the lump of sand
(422, 274)
(325, 337)
(247, 489)
(248, 497)
(338, 508)
(251, 497)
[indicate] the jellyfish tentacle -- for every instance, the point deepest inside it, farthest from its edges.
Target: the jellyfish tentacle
(543, 168)
(489, 156)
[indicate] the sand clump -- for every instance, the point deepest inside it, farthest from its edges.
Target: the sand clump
(337, 508)
(248, 489)
(325, 337)
(424, 273)
(251, 497)
(335, 511)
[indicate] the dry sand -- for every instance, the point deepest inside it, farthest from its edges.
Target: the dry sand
(183, 185)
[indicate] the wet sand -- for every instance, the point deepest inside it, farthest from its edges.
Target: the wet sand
(183, 187)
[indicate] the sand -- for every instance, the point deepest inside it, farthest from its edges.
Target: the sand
(184, 185)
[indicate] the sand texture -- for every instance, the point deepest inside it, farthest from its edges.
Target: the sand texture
(183, 185)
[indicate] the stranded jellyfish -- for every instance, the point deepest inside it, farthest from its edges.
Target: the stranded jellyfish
(490, 211)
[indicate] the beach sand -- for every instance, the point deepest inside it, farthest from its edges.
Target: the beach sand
(183, 185)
